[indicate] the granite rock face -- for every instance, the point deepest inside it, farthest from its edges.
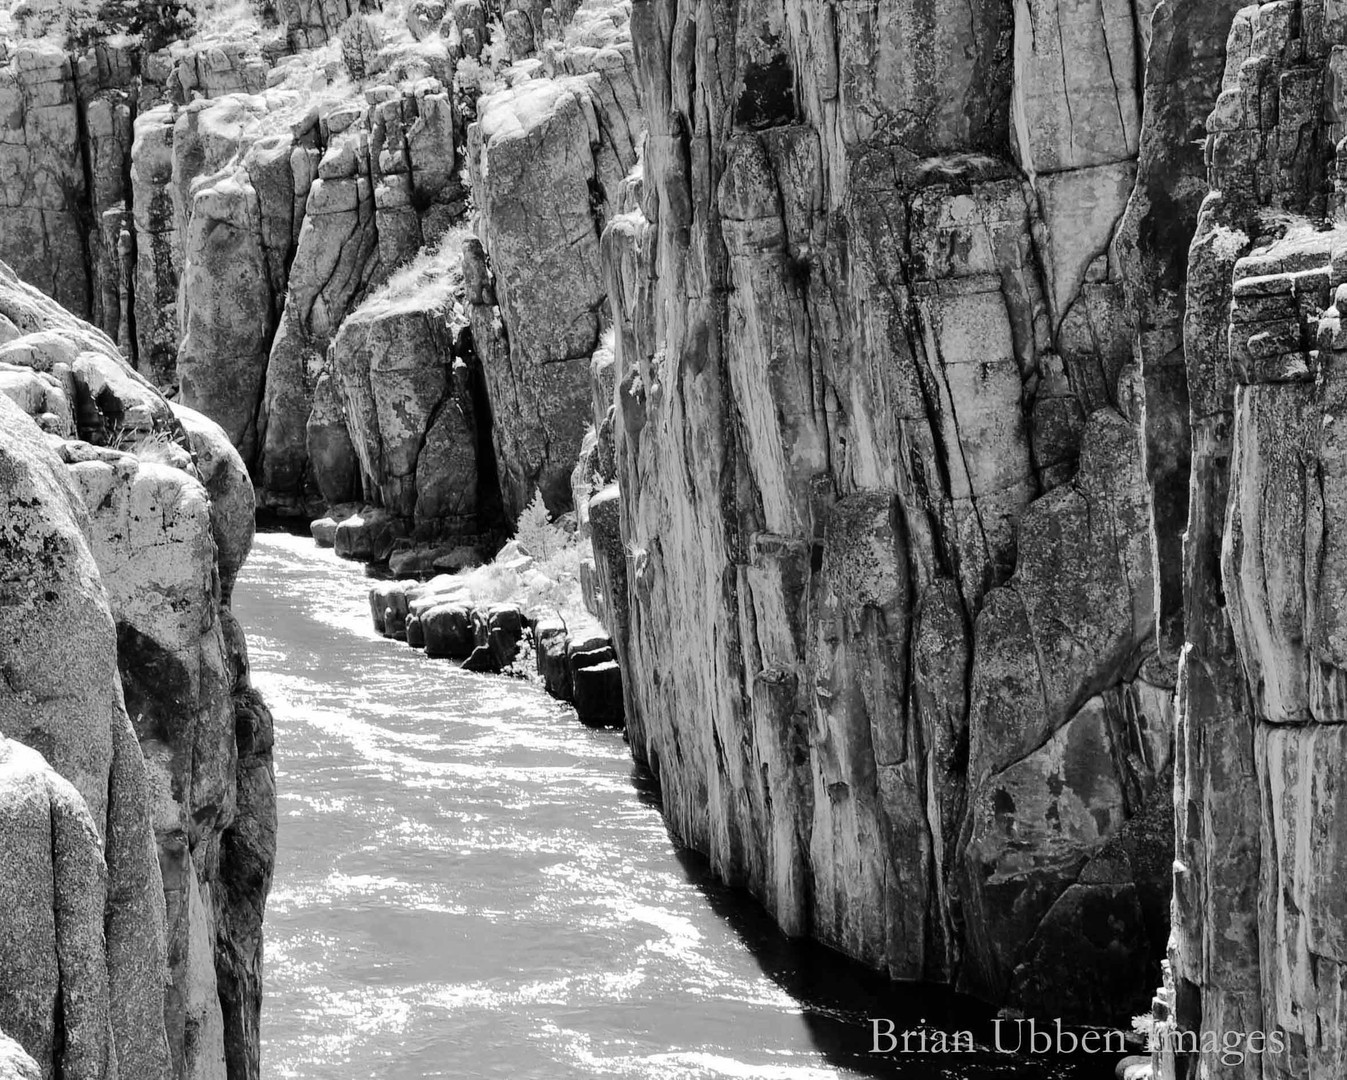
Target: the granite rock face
(178, 225)
(65, 214)
(127, 675)
(412, 393)
(970, 453)
(954, 387)
(547, 157)
(253, 187)
(285, 222)
(1257, 897)
(878, 559)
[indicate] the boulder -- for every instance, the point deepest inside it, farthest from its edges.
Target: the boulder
(382, 597)
(549, 638)
(368, 535)
(324, 531)
(448, 630)
(598, 694)
(15, 1064)
(503, 627)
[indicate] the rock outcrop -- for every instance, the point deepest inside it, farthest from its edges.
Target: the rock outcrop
(882, 508)
(547, 158)
(178, 225)
(253, 187)
(126, 682)
(415, 405)
(1257, 900)
(287, 214)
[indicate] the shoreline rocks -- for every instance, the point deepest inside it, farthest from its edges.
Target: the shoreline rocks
(574, 663)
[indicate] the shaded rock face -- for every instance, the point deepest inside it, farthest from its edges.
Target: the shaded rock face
(878, 559)
(1257, 897)
(127, 675)
(415, 405)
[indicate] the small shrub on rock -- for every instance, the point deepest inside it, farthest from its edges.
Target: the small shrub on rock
(156, 24)
(536, 533)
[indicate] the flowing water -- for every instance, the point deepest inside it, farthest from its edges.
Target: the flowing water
(470, 884)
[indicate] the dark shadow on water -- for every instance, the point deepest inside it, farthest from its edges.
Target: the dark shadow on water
(839, 997)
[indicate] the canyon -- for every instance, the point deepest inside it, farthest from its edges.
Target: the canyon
(945, 392)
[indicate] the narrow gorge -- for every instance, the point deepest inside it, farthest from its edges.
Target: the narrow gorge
(934, 405)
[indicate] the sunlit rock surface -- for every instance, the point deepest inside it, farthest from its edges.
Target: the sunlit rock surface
(886, 578)
(256, 185)
(916, 557)
(953, 386)
(126, 672)
(412, 391)
(547, 156)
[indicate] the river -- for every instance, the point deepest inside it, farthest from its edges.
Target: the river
(470, 884)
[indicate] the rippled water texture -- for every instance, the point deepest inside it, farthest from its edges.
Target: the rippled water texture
(471, 884)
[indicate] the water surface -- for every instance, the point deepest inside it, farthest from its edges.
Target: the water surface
(471, 884)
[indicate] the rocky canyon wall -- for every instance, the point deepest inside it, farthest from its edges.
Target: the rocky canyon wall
(237, 196)
(136, 783)
(884, 497)
(1258, 813)
(971, 467)
(961, 382)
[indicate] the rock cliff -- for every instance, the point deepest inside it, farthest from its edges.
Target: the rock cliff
(547, 157)
(1258, 812)
(135, 759)
(411, 389)
(953, 385)
(883, 490)
(972, 450)
(236, 196)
